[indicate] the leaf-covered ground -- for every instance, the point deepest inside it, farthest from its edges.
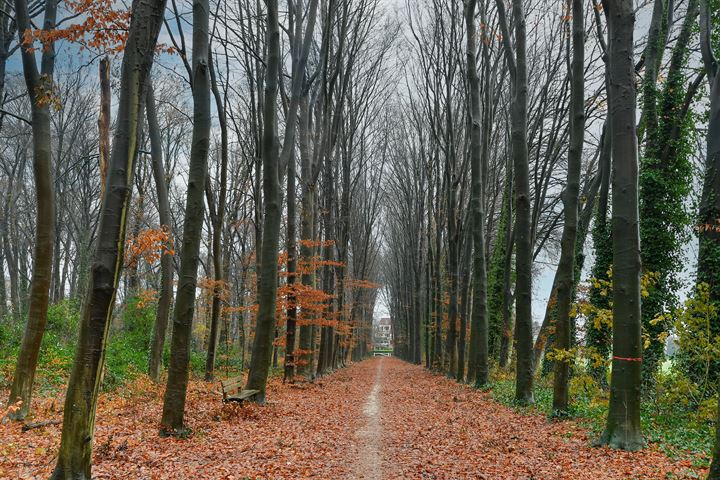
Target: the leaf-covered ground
(379, 419)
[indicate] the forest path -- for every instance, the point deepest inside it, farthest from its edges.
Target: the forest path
(432, 427)
(374, 420)
(368, 465)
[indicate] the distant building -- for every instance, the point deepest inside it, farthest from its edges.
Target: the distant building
(382, 333)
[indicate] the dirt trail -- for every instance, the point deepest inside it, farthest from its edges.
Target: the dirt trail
(368, 465)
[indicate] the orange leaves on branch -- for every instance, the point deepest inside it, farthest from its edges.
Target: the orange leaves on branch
(103, 27)
(214, 288)
(353, 283)
(316, 243)
(145, 297)
(149, 245)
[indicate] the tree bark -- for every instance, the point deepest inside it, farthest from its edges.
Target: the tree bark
(523, 236)
(623, 422)
(566, 267)
(39, 86)
(172, 422)
(104, 121)
(74, 458)
(162, 315)
(307, 236)
(218, 222)
(479, 322)
(267, 282)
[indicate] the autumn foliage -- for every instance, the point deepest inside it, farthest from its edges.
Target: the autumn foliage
(98, 25)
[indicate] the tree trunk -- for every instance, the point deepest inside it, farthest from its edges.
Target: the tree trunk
(523, 236)
(267, 282)
(299, 98)
(37, 82)
(623, 422)
(218, 228)
(75, 454)
(307, 237)
(172, 422)
(566, 267)
(479, 322)
(166, 263)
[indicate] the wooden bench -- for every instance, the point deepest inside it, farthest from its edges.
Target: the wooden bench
(232, 390)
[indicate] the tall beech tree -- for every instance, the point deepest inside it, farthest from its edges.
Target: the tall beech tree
(516, 61)
(74, 458)
(623, 421)
(479, 321)
(40, 89)
(172, 422)
(268, 255)
(566, 267)
(301, 43)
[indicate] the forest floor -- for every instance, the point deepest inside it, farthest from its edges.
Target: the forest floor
(378, 419)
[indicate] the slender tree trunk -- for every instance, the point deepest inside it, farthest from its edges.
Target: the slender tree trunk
(298, 102)
(37, 82)
(437, 331)
(566, 267)
(523, 236)
(464, 307)
(307, 237)
(104, 121)
(218, 228)
(327, 336)
(166, 263)
(172, 422)
(267, 282)
(479, 320)
(74, 458)
(623, 422)
(292, 310)
(3, 291)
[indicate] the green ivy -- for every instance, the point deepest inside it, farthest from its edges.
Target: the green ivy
(496, 274)
(665, 183)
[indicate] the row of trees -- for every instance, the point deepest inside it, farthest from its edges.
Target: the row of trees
(270, 116)
(448, 153)
(502, 175)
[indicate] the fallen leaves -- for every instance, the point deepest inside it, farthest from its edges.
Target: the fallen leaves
(429, 427)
